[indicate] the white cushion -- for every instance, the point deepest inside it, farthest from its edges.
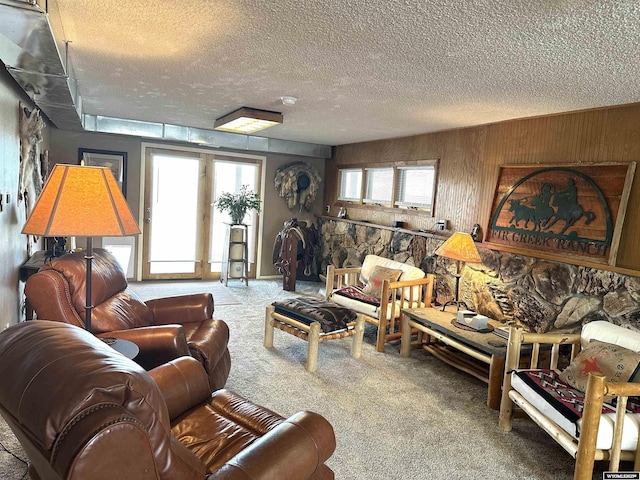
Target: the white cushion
(371, 310)
(605, 430)
(610, 333)
(409, 272)
(355, 305)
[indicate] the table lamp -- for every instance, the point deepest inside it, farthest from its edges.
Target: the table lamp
(461, 248)
(81, 201)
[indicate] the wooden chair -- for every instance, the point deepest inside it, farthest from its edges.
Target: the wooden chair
(583, 445)
(407, 292)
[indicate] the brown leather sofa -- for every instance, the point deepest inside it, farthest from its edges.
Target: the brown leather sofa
(163, 329)
(83, 411)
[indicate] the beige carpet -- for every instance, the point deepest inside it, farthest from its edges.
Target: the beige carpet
(394, 417)
(163, 288)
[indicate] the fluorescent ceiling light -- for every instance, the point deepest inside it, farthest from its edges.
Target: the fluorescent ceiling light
(247, 120)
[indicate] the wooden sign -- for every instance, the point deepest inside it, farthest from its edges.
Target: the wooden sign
(574, 211)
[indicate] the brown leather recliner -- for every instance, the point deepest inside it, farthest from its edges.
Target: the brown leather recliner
(163, 329)
(106, 418)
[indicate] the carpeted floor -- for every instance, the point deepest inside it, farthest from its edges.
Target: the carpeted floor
(394, 417)
(156, 289)
(13, 461)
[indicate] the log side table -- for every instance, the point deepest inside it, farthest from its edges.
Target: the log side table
(458, 347)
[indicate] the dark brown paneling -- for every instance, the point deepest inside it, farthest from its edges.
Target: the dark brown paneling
(456, 196)
(621, 142)
(470, 159)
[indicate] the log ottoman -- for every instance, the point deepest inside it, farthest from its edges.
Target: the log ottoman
(314, 321)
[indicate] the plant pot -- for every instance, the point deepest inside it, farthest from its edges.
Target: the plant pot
(237, 217)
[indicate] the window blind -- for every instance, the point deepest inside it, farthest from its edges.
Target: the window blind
(379, 186)
(415, 186)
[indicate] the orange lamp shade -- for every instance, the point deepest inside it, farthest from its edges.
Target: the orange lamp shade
(459, 246)
(81, 201)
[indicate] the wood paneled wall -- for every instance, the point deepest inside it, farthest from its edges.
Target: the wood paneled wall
(470, 159)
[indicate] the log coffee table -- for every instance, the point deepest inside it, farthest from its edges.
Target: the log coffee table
(458, 347)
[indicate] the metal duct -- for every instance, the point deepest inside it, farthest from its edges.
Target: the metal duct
(201, 136)
(29, 50)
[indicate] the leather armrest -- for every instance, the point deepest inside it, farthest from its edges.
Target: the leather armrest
(183, 383)
(55, 303)
(157, 344)
(182, 309)
(111, 426)
(209, 342)
(294, 449)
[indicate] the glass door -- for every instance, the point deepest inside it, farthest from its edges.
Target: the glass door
(184, 233)
(229, 175)
(173, 217)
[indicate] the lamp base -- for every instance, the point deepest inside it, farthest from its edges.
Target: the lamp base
(457, 303)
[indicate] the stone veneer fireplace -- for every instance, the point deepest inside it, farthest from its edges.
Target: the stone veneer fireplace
(540, 294)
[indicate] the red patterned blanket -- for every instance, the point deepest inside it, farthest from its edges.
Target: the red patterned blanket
(356, 294)
(565, 399)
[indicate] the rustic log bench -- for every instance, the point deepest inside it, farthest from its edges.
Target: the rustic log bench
(314, 321)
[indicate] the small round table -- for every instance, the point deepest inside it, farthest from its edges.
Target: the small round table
(125, 347)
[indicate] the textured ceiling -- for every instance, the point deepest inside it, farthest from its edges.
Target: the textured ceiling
(361, 69)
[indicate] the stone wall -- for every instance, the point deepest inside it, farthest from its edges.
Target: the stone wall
(540, 294)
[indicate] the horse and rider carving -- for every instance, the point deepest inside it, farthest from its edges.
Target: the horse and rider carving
(561, 210)
(549, 207)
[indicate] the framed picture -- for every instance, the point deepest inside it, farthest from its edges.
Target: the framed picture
(115, 161)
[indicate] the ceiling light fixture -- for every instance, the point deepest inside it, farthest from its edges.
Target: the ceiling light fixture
(248, 120)
(288, 100)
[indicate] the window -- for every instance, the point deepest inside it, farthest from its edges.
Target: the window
(415, 187)
(350, 184)
(403, 185)
(379, 186)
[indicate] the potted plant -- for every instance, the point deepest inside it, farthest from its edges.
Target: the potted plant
(238, 204)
